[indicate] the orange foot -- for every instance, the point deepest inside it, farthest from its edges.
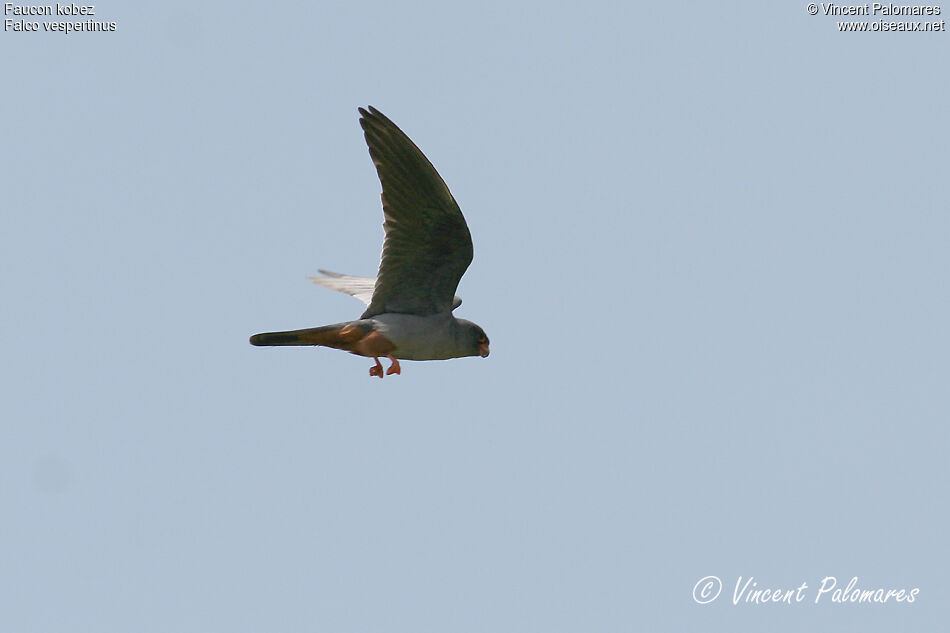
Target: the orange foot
(394, 368)
(377, 369)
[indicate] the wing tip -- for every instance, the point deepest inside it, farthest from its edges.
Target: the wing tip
(370, 115)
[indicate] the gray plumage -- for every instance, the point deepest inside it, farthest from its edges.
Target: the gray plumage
(428, 246)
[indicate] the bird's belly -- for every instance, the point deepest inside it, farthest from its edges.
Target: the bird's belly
(416, 337)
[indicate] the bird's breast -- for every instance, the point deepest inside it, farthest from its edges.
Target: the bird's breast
(430, 337)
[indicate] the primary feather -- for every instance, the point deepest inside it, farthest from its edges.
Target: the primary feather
(359, 287)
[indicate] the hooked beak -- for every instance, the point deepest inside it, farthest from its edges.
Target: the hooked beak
(483, 350)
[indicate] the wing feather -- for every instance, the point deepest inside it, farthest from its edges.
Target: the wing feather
(359, 287)
(428, 246)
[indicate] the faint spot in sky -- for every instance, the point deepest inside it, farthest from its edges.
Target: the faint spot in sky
(184, 28)
(51, 475)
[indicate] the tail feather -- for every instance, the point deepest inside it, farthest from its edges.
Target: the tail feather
(339, 336)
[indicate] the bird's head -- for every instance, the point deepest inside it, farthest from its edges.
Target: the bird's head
(473, 338)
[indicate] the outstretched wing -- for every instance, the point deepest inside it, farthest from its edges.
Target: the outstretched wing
(359, 287)
(427, 245)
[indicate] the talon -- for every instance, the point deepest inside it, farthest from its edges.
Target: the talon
(394, 368)
(377, 369)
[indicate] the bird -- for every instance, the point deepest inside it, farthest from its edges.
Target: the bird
(427, 248)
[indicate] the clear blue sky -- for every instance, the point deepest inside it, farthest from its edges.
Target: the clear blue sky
(710, 252)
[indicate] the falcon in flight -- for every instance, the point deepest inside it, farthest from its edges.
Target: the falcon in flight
(426, 250)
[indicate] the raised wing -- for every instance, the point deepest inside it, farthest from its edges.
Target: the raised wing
(359, 287)
(427, 245)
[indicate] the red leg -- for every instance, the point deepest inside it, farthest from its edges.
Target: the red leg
(394, 368)
(377, 369)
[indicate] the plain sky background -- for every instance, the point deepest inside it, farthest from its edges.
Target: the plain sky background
(711, 252)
